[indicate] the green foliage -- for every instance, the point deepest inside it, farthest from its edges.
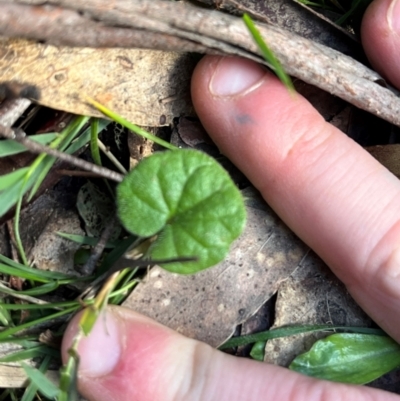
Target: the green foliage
(9, 332)
(267, 53)
(132, 127)
(349, 358)
(189, 201)
(88, 319)
(9, 147)
(357, 7)
(15, 185)
(84, 240)
(68, 378)
(8, 266)
(347, 9)
(32, 352)
(258, 351)
(40, 382)
(286, 331)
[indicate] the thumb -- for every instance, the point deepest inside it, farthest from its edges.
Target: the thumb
(380, 34)
(130, 357)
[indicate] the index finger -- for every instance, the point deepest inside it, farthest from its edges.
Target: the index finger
(332, 193)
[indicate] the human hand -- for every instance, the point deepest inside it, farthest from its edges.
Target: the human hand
(333, 194)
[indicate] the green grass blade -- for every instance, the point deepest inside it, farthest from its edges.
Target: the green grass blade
(68, 378)
(94, 146)
(39, 381)
(132, 127)
(11, 331)
(26, 274)
(116, 253)
(40, 290)
(41, 167)
(83, 240)
(126, 283)
(10, 196)
(292, 330)
(26, 342)
(5, 318)
(45, 162)
(8, 147)
(8, 266)
(268, 54)
(10, 179)
(84, 138)
(52, 305)
(30, 353)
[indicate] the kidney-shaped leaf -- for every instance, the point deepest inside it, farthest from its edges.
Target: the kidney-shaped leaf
(189, 200)
(349, 358)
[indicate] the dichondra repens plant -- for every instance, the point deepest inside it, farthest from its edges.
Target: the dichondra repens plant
(189, 201)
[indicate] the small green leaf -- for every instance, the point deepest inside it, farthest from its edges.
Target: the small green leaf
(189, 200)
(88, 319)
(349, 358)
(258, 351)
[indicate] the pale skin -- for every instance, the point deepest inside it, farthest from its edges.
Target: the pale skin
(332, 193)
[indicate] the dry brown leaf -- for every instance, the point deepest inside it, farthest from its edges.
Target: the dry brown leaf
(12, 375)
(41, 221)
(209, 305)
(311, 295)
(147, 87)
(15, 377)
(388, 155)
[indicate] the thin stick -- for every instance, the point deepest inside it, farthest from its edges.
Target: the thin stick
(12, 109)
(311, 62)
(112, 158)
(97, 251)
(77, 173)
(35, 147)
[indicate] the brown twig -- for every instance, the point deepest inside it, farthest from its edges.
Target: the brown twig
(35, 147)
(60, 26)
(217, 32)
(11, 110)
(88, 268)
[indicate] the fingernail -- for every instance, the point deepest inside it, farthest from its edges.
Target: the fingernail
(234, 76)
(393, 16)
(100, 351)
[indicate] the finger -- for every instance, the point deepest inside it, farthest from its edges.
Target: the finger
(331, 192)
(380, 33)
(130, 357)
